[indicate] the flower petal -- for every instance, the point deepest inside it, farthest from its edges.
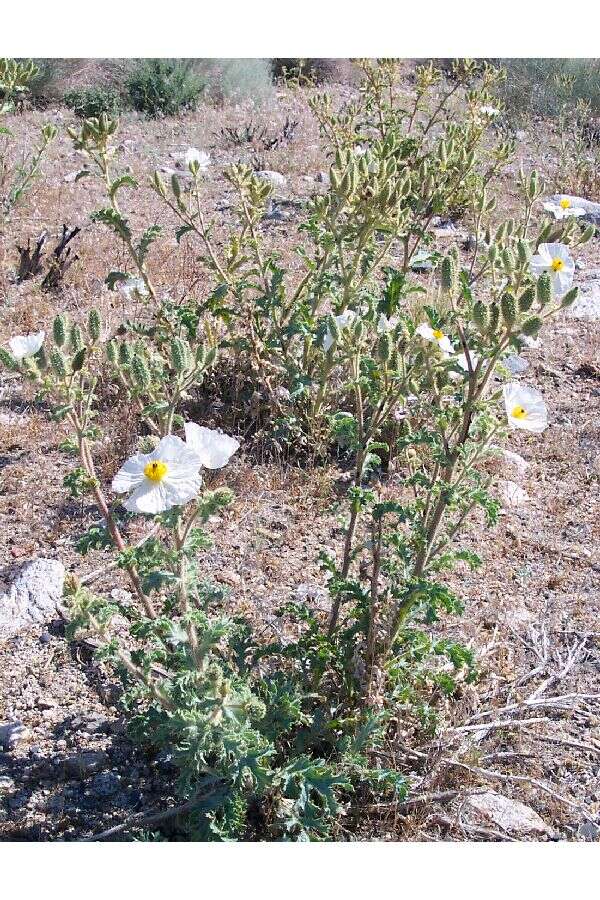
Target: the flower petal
(131, 474)
(214, 449)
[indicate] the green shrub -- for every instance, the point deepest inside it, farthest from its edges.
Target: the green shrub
(92, 102)
(540, 86)
(164, 87)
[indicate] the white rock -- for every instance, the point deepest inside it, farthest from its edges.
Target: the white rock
(511, 494)
(33, 596)
(516, 365)
(515, 461)
(587, 305)
(12, 734)
(511, 815)
(276, 179)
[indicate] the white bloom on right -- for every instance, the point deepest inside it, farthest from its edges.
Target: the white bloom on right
(343, 321)
(563, 209)
(26, 344)
(167, 477)
(192, 155)
(213, 448)
(525, 407)
(558, 262)
(436, 336)
(133, 286)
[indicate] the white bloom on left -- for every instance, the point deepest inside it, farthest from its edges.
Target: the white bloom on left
(26, 345)
(436, 336)
(192, 155)
(133, 286)
(157, 481)
(213, 448)
(525, 407)
(563, 209)
(343, 321)
(558, 262)
(491, 111)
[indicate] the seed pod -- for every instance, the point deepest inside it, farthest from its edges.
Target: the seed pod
(78, 360)
(522, 252)
(75, 338)
(111, 352)
(448, 274)
(531, 326)
(544, 289)
(94, 325)
(480, 317)
(509, 310)
(178, 355)
(140, 372)
(57, 361)
(8, 360)
(200, 356)
(125, 354)
(570, 297)
(384, 347)
(508, 260)
(526, 299)
(59, 330)
(494, 318)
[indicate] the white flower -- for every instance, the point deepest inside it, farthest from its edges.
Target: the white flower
(436, 336)
(525, 407)
(213, 448)
(461, 360)
(343, 321)
(132, 286)
(192, 155)
(169, 476)
(491, 111)
(563, 208)
(384, 324)
(26, 345)
(555, 259)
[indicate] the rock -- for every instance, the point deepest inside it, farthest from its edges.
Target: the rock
(275, 179)
(11, 734)
(511, 494)
(6, 785)
(323, 178)
(588, 831)
(274, 214)
(82, 765)
(511, 815)
(106, 784)
(33, 597)
(515, 461)
(516, 365)
(310, 592)
(587, 305)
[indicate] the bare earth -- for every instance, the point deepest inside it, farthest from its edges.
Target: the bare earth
(528, 729)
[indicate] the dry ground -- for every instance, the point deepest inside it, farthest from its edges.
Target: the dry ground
(533, 613)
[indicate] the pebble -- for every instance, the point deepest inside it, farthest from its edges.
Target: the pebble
(11, 734)
(82, 765)
(105, 784)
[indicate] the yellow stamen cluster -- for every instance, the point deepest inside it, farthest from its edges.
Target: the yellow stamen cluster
(438, 335)
(519, 412)
(565, 203)
(156, 470)
(557, 264)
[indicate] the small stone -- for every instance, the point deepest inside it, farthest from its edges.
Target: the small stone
(515, 461)
(106, 784)
(511, 494)
(45, 637)
(11, 734)
(511, 815)
(516, 365)
(589, 832)
(275, 179)
(33, 596)
(313, 592)
(82, 765)
(323, 178)
(6, 784)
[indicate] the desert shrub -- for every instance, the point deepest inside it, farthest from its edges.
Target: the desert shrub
(274, 740)
(235, 79)
(164, 87)
(92, 102)
(537, 86)
(312, 69)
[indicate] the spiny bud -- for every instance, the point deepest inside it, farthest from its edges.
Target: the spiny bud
(75, 338)
(59, 330)
(78, 360)
(8, 360)
(531, 326)
(125, 354)
(111, 352)
(394, 361)
(57, 361)
(94, 325)
(588, 234)
(508, 260)
(200, 356)
(140, 372)
(494, 318)
(448, 274)
(544, 289)
(570, 297)
(522, 252)
(526, 299)
(384, 347)
(178, 355)
(480, 316)
(509, 310)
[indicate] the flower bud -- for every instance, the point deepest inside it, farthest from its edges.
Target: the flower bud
(570, 297)
(94, 325)
(111, 352)
(544, 289)
(178, 355)
(57, 361)
(140, 372)
(526, 299)
(480, 316)
(59, 330)
(509, 310)
(75, 338)
(448, 274)
(494, 318)
(531, 326)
